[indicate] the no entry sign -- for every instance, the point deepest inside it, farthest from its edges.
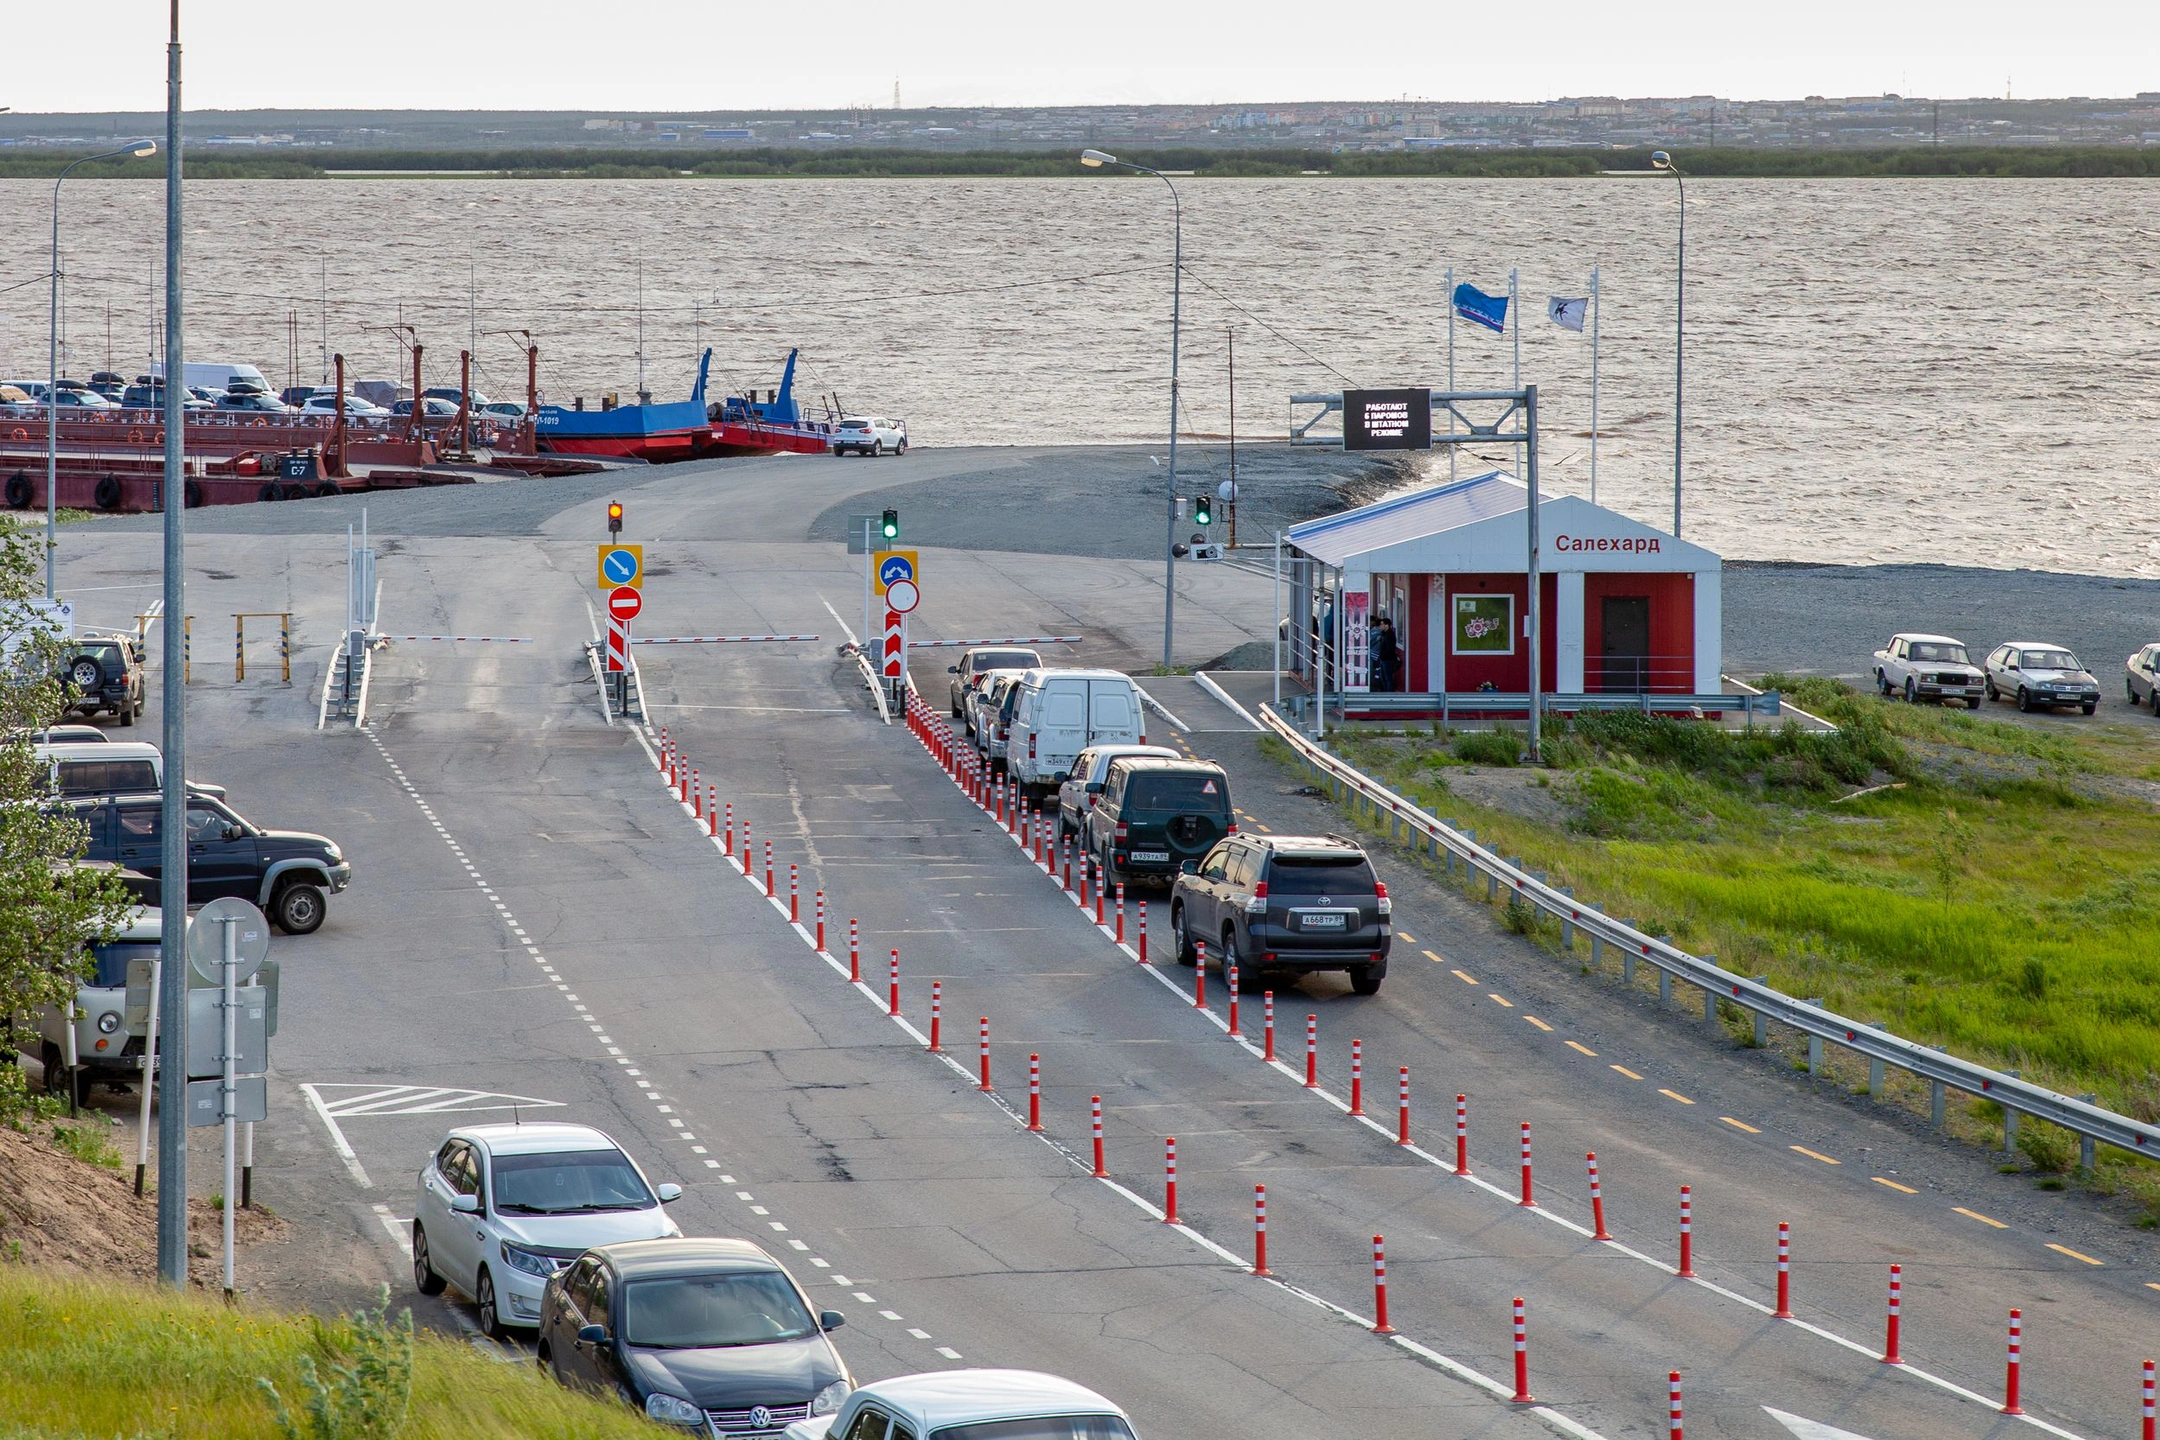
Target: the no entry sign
(623, 603)
(903, 596)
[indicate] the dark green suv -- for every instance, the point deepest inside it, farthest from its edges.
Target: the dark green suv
(103, 672)
(1156, 814)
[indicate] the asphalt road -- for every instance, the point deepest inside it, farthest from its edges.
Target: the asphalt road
(533, 917)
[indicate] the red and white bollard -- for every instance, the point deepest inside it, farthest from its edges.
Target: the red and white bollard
(1784, 1272)
(1233, 984)
(697, 795)
(1067, 846)
(1687, 1234)
(746, 845)
(1035, 1093)
(666, 758)
(2149, 1397)
(1095, 1126)
(1597, 1198)
(998, 804)
(730, 835)
(1119, 938)
(1527, 1199)
(1890, 1355)
(1672, 1404)
(1267, 1024)
(1102, 889)
(1199, 976)
(794, 895)
(768, 870)
(1379, 1287)
(937, 1016)
(1259, 1231)
(893, 1005)
(1402, 1106)
(1087, 876)
(712, 811)
(1141, 956)
(854, 953)
(1522, 1356)
(2010, 1404)
(821, 922)
(1170, 1215)
(1462, 1135)
(985, 1086)
(1357, 1077)
(1312, 1052)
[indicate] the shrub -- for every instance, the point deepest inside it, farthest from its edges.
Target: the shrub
(366, 1399)
(1500, 745)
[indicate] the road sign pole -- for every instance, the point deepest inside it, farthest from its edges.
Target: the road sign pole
(230, 1092)
(869, 563)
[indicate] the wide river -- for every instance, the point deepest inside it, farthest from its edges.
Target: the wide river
(1962, 371)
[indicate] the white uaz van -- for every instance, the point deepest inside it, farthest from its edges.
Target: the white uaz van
(1062, 712)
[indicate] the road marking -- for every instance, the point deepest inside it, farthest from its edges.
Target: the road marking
(1976, 1215)
(1739, 1125)
(1539, 1023)
(1434, 958)
(1467, 980)
(1901, 1189)
(948, 1352)
(1408, 938)
(1814, 1154)
(1579, 1047)
(1627, 1072)
(337, 1139)
(1803, 1429)
(2073, 1254)
(1675, 1095)
(1500, 1000)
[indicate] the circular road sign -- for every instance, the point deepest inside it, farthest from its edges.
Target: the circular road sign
(1227, 490)
(895, 567)
(901, 597)
(620, 566)
(206, 939)
(623, 603)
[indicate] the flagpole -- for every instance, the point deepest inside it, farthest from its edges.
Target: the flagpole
(1514, 303)
(1594, 306)
(1451, 368)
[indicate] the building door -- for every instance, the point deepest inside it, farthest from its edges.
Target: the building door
(1624, 659)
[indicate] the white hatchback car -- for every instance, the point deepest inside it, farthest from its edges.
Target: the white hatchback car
(870, 435)
(970, 1405)
(1080, 790)
(503, 1207)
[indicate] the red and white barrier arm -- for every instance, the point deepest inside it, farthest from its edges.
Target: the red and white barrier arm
(492, 639)
(724, 640)
(999, 640)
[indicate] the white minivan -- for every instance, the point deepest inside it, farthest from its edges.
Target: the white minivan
(1059, 713)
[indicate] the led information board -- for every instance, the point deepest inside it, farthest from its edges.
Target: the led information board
(1387, 419)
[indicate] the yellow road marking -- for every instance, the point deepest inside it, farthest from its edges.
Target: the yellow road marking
(1539, 1023)
(1901, 1189)
(2066, 1250)
(1814, 1154)
(1407, 938)
(1500, 1000)
(1580, 1048)
(1457, 974)
(1676, 1095)
(2149, 1285)
(1627, 1072)
(1268, 829)
(1740, 1125)
(1976, 1215)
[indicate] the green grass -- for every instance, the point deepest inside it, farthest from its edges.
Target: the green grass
(88, 1360)
(1998, 897)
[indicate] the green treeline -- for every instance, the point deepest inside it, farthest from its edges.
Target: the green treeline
(874, 162)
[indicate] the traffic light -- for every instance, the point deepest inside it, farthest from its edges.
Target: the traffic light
(891, 525)
(1200, 513)
(614, 517)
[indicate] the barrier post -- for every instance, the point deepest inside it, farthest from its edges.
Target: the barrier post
(1784, 1272)
(2010, 1404)
(1672, 1404)
(284, 650)
(1087, 875)
(1687, 1234)
(1527, 1200)
(697, 794)
(854, 953)
(1267, 1014)
(1035, 1093)
(1259, 1236)
(1120, 936)
(187, 650)
(937, 1016)
(2149, 1410)
(712, 810)
(746, 845)
(1199, 976)
(1102, 888)
(1402, 1107)
(985, 1086)
(893, 1007)
(1235, 1033)
(729, 810)
(1379, 1285)
(768, 870)
(1067, 845)
(1312, 1052)
(1095, 1127)
(239, 648)
(1462, 1135)
(1890, 1355)
(1357, 1077)
(1522, 1356)
(1597, 1199)
(794, 895)
(1170, 1215)
(820, 906)
(1142, 953)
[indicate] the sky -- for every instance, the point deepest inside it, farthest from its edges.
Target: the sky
(651, 55)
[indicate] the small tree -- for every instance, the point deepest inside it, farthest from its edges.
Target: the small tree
(51, 910)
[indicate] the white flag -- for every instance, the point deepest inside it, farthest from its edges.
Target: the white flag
(1567, 311)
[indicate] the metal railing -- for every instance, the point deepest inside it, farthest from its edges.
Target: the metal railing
(1445, 704)
(1943, 1071)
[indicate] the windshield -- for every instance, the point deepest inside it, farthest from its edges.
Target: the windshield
(569, 1183)
(1007, 660)
(1178, 792)
(2049, 660)
(700, 1312)
(1048, 1427)
(1320, 875)
(1941, 654)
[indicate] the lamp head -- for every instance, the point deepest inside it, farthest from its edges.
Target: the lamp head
(145, 149)
(1659, 160)
(1095, 159)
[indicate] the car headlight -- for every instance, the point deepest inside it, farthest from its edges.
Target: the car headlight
(108, 1022)
(674, 1410)
(532, 1262)
(828, 1400)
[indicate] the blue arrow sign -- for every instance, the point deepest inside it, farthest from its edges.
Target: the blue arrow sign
(620, 566)
(895, 567)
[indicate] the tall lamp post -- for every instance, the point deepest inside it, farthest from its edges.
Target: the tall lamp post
(1095, 159)
(1661, 161)
(52, 359)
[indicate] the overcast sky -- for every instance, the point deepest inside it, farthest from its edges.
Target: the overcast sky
(701, 55)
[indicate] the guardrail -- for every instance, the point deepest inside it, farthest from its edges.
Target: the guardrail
(1943, 1071)
(1445, 704)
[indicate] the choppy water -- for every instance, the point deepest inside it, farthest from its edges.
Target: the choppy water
(1965, 371)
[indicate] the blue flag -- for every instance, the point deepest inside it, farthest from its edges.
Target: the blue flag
(1479, 308)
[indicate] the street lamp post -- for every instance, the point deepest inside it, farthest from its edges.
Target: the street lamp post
(52, 360)
(1662, 161)
(1095, 159)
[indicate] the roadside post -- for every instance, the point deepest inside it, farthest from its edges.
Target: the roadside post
(898, 573)
(227, 942)
(619, 571)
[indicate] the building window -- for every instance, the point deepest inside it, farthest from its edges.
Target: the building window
(1483, 625)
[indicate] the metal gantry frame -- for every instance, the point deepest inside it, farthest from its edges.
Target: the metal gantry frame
(1516, 424)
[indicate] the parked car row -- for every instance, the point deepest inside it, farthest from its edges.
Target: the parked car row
(246, 392)
(2033, 674)
(1032, 721)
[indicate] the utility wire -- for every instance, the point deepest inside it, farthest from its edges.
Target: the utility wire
(1217, 291)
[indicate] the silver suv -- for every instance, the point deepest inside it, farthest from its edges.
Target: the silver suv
(870, 435)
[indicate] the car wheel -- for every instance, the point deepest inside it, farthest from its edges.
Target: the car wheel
(424, 1278)
(1365, 980)
(2154, 699)
(877, 449)
(298, 909)
(490, 1318)
(1912, 693)
(1230, 956)
(2024, 700)
(1187, 952)
(2089, 706)
(1973, 703)
(1882, 683)
(86, 674)
(1988, 685)
(127, 714)
(56, 1077)
(545, 1359)
(2130, 690)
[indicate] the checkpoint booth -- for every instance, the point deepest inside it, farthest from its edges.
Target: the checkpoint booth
(1624, 609)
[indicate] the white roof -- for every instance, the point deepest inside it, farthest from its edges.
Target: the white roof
(1044, 674)
(540, 1139)
(1477, 525)
(1927, 639)
(939, 1398)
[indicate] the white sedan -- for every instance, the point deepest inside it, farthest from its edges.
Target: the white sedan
(355, 407)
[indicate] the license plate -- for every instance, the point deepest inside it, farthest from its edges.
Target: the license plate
(1143, 856)
(1321, 920)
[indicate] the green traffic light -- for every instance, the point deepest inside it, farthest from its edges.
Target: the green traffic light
(892, 525)
(1200, 512)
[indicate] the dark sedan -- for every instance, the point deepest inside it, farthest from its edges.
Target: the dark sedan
(711, 1336)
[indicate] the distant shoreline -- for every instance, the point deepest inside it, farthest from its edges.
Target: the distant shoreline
(873, 163)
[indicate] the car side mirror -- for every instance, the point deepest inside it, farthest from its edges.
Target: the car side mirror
(1189, 867)
(830, 1319)
(592, 1334)
(952, 669)
(668, 1193)
(232, 831)
(465, 1204)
